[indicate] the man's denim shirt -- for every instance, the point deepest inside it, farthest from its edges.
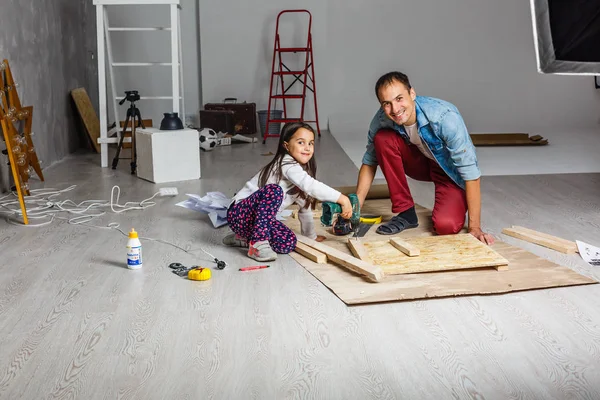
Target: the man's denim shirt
(443, 130)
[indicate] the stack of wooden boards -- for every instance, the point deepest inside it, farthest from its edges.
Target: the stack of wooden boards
(376, 259)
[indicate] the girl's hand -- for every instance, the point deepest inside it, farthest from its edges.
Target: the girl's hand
(344, 201)
(320, 238)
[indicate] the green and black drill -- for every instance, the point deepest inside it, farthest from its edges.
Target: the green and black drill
(342, 226)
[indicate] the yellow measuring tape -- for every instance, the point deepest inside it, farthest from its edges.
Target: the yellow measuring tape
(371, 219)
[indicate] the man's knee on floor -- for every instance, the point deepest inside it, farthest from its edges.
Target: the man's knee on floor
(383, 137)
(447, 225)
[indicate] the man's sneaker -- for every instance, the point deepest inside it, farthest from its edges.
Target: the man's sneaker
(235, 241)
(262, 251)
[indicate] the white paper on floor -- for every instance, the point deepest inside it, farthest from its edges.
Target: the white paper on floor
(590, 254)
(215, 204)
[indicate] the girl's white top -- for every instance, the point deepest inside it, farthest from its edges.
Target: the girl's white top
(293, 175)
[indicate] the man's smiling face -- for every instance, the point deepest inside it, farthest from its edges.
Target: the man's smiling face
(398, 103)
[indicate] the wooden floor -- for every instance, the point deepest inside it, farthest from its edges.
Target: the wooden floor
(74, 323)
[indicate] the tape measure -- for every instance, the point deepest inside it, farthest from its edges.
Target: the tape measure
(370, 219)
(199, 274)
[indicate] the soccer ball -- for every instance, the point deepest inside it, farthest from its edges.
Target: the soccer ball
(208, 139)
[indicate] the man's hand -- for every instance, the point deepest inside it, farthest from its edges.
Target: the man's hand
(482, 236)
(320, 238)
(366, 174)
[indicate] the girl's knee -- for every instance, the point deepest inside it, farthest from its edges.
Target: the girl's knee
(286, 247)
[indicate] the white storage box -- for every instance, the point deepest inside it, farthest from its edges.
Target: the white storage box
(167, 156)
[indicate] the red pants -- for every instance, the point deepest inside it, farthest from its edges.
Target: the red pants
(398, 159)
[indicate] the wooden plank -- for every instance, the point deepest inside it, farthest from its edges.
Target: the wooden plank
(568, 243)
(310, 253)
(88, 115)
(511, 143)
(507, 139)
(354, 264)
(500, 136)
(438, 253)
(358, 249)
(405, 247)
(539, 240)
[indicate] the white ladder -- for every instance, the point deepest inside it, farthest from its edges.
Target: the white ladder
(103, 30)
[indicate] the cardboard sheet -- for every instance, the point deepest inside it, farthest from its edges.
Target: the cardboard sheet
(526, 270)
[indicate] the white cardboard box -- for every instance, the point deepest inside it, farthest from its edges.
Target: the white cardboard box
(167, 156)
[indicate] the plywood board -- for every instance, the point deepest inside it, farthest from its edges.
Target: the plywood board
(527, 271)
(88, 115)
(438, 253)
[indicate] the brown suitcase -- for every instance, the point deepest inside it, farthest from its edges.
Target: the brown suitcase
(217, 120)
(244, 117)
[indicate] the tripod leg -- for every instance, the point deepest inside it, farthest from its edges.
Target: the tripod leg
(140, 121)
(133, 150)
(116, 159)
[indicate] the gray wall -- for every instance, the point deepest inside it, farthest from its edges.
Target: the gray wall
(154, 46)
(476, 54)
(237, 49)
(50, 45)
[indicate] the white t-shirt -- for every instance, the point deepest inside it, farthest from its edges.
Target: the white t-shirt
(293, 175)
(413, 135)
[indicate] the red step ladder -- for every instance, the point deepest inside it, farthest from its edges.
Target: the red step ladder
(303, 76)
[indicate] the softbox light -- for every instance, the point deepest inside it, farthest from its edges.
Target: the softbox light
(567, 36)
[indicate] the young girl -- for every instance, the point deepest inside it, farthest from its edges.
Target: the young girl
(289, 178)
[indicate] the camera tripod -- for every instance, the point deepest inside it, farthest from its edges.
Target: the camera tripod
(133, 114)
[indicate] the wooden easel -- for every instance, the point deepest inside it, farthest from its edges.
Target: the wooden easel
(19, 146)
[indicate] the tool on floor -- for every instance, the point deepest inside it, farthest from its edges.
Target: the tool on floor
(254, 267)
(194, 273)
(370, 219)
(199, 274)
(366, 221)
(362, 230)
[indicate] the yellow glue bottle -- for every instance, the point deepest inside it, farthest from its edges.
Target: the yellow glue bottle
(134, 251)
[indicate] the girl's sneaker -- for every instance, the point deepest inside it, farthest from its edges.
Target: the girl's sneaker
(235, 241)
(261, 251)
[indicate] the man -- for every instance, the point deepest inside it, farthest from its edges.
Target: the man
(426, 139)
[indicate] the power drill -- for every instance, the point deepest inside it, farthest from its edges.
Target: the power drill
(341, 226)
